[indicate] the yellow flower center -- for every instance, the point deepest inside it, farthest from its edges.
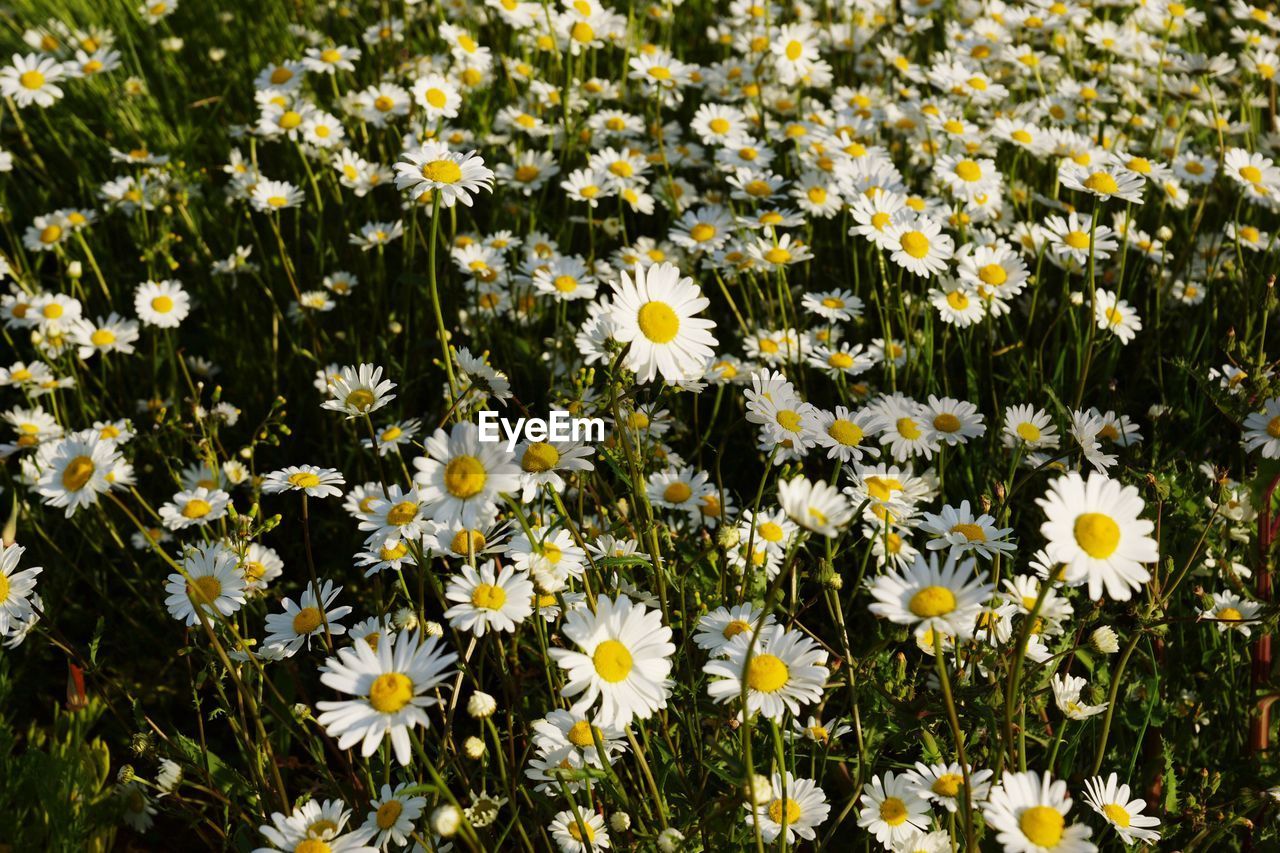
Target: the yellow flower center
(882, 488)
(307, 620)
(1028, 431)
(464, 477)
(677, 492)
(719, 125)
(788, 420)
(1076, 239)
(304, 480)
(581, 734)
(565, 283)
(442, 171)
(612, 661)
(576, 831)
(196, 508)
(914, 244)
(1042, 825)
(893, 811)
(658, 322)
(31, 79)
(1273, 427)
(788, 808)
(539, 457)
(969, 171)
(767, 673)
(489, 596)
(313, 845)
(932, 601)
(948, 784)
(845, 432)
(50, 234)
(958, 300)
(734, 628)
(402, 513)
(1226, 614)
(162, 304)
(1252, 174)
(972, 532)
(946, 422)
(1097, 535)
(777, 255)
(388, 813)
(1102, 183)
(102, 337)
(908, 429)
(204, 589)
(390, 692)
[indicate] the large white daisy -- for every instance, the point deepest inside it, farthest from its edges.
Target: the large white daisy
(654, 313)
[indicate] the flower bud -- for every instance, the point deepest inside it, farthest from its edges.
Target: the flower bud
(446, 820)
(481, 705)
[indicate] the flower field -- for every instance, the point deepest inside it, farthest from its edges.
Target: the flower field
(678, 426)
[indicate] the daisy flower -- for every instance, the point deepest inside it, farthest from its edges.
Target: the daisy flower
(32, 79)
(796, 806)
(655, 312)
(1231, 612)
(891, 810)
(211, 583)
(489, 599)
(461, 478)
(358, 391)
(194, 508)
(782, 670)
(1105, 182)
(548, 463)
(958, 529)
(164, 304)
(1093, 527)
(15, 589)
(394, 686)
(1111, 800)
(1262, 430)
(719, 627)
(844, 433)
(930, 597)
(918, 245)
(1028, 812)
(394, 815)
(308, 479)
(814, 505)
(434, 168)
(314, 827)
(580, 832)
(1113, 314)
(835, 306)
(1029, 428)
(274, 196)
(291, 630)
(816, 731)
(623, 658)
(1069, 239)
(1066, 695)
(944, 784)
(77, 471)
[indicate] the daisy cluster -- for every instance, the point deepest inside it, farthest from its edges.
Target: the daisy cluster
(934, 347)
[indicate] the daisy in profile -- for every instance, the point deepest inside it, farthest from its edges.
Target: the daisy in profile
(1111, 800)
(392, 687)
(1231, 612)
(308, 479)
(1104, 181)
(1093, 528)
(814, 505)
(655, 312)
(462, 478)
(394, 815)
(77, 471)
(436, 169)
(211, 583)
(1066, 695)
(798, 805)
(958, 529)
(930, 597)
(1262, 430)
(489, 599)
(194, 508)
(944, 784)
(291, 630)
(164, 304)
(1028, 812)
(816, 731)
(782, 670)
(718, 628)
(15, 588)
(580, 832)
(623, 659)
(1113, 314)
(845, 434)
(274, 196)
(891, 810)
(358, 391)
